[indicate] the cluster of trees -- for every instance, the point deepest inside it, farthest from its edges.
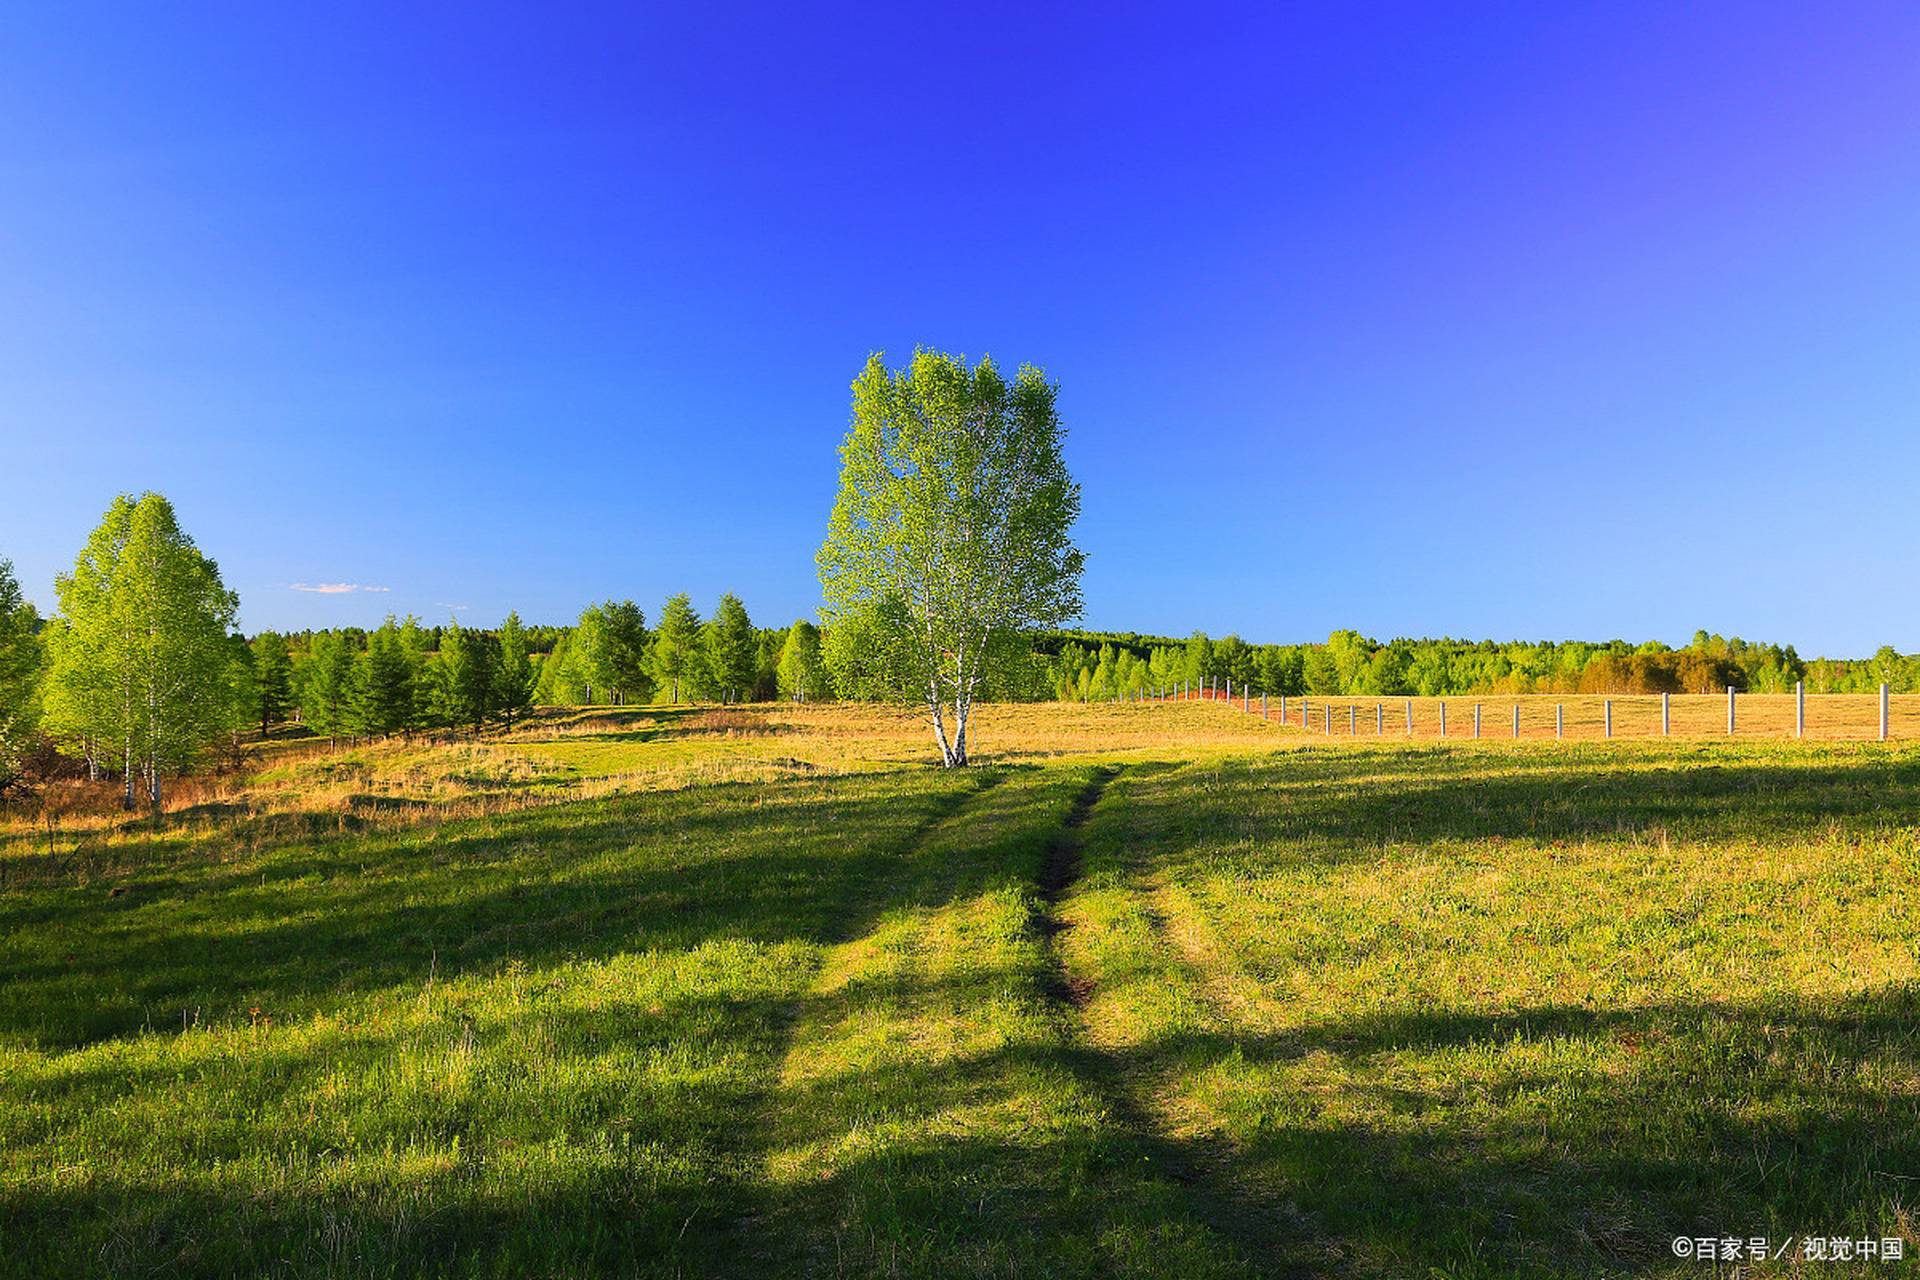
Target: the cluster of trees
(1099, 667)
(403, 677)
(396, 682)
(140, 671)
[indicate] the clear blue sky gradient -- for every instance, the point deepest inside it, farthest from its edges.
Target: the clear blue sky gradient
(1535, 321)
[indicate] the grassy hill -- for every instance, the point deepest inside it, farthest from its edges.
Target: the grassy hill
(1160, 990)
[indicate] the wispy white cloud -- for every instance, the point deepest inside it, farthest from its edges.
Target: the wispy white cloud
(333, 588)
(442, 604)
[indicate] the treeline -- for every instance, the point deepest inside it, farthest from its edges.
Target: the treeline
(1084, 666)
(140, 673)
(404, 678)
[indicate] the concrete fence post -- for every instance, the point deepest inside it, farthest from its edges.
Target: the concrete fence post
(1329, 715)
(1283, 709)
(1559, 719)
(1443, 719)
(1799, 708)
(1883, 711)
(1516, 720)
(1379, 719)
(1608, 705)
(1353, 720)
(1729, 711)
(1409, 717)
(1476, 719)
(1666, 715)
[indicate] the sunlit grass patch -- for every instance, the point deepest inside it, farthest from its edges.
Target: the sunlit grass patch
(1533, 1013)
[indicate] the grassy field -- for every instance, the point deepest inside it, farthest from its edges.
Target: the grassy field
(1158, 990)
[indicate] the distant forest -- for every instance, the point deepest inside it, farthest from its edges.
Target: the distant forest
(331, 680)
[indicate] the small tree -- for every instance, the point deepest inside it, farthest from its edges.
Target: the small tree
(327, 690)
(513, 679)
(800, 663)
(19, 678)
(466, 679)
(949, 535)
(675, 656)
(273, 668)
(731, 647)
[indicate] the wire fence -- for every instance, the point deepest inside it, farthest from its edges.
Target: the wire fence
(1826, 716)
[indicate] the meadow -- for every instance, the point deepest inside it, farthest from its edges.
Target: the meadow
(1158, 989)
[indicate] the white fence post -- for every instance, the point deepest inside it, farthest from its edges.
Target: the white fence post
(1443, 719)
(1729, 711)
(1666, 715)
(1559, 719)
(1476, 719)
(1608, 704)
(1329, 716)
(1516, 720)
(1409, 717)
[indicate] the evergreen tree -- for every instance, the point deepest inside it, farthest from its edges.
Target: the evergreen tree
(676, 656)
(326, 702)
(730, 648)
(514, 678)
(610, 649)
(273, 667)
(20, 655)
(387, 692)
(466, 676)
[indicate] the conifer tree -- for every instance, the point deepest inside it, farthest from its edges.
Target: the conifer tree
(19, 677)
(676, 656)
(387, 691)
(273, 667)
(730, 648)
(514, 677)
(466, 676)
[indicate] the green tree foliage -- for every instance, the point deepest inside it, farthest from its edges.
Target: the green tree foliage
(20, 655)
(514, 678)
(732, 648)
(609, 651)
(950, 532)
(327, 695)
(273, 668)
(465, 676)
(800, 663)
(387, 692)
(676, 658)
(142, 663)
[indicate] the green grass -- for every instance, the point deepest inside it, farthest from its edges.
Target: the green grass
(1347, 1009)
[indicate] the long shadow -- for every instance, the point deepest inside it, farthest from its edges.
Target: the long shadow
(1326, 806)
(344, 913)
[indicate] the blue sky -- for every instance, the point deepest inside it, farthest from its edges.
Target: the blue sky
(1535, 321)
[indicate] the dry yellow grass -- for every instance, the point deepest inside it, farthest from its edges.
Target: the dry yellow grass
(1830, 717)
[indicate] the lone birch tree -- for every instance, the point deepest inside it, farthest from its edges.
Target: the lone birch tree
(950, 534)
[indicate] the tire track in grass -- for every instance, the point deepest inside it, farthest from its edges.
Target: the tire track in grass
(938, 1111)
(1130, 1082)
(865, 953)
